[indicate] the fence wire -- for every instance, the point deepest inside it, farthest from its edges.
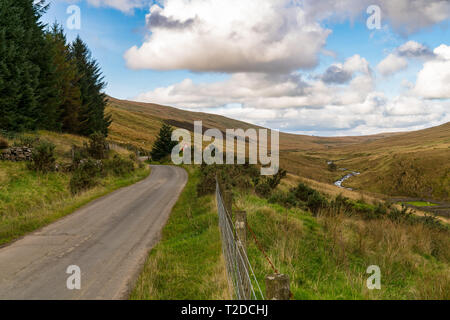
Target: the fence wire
(239, 270)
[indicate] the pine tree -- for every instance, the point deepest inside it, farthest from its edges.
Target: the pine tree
(62, 105)
(163, 145)
(20, 36)
(92, 116)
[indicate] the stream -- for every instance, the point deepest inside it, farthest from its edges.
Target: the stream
(348, 176)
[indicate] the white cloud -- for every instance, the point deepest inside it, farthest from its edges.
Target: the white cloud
(405, 16)
(433, 81)
(260, 90)
(228, 36)
(414, 49)
(392, 64)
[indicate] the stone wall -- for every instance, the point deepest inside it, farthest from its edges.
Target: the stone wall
(16, 154)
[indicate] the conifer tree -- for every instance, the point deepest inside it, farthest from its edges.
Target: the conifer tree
(20, 43)
(66, 98)
(163, 145)
(92, 116)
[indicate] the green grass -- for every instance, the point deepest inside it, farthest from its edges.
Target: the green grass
(421, 203)
(187, 263)
(30, 200)
(327, 257)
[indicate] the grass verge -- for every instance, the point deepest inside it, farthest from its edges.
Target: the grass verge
(30, 200)
(187, 263)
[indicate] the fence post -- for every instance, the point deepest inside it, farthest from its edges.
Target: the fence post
(277, 287)
(241, 228)
(241, 250)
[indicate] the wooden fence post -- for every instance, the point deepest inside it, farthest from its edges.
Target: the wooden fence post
(278, 287)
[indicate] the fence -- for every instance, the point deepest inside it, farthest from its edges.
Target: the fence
(239, 270)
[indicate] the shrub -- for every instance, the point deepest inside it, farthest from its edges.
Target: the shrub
(286, 199)
(43, 157)
(207, 181)
(86, 175)
(98, 146)
(302, 191)
(332, 166)
(275, 180)
(3, 143)
(119, 166)
(78, 154)
(26, 141)
(316, 202)
(263, 189)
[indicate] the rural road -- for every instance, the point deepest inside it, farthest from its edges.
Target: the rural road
(108, 240)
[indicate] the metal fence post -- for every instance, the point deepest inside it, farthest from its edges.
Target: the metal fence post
(278, 287)
(241, 248)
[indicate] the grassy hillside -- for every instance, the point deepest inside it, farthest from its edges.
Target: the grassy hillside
(413, 164)
(30, 200)
(326, 255)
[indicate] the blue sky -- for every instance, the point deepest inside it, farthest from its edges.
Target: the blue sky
(313, 68)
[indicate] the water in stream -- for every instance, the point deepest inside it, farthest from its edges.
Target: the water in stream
(348, 176)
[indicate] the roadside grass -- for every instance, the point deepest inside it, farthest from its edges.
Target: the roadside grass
(187, 263)
(421, 203)
(30, 200)
(327, 256)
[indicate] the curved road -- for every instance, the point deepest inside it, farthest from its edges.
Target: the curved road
(108, 239)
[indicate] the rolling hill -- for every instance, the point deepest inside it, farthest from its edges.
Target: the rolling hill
(411, 164)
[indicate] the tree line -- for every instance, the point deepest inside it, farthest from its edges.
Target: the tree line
(46, 82)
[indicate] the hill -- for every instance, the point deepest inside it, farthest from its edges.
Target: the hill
(393, 164)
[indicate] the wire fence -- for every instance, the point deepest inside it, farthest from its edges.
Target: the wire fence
(239, 270)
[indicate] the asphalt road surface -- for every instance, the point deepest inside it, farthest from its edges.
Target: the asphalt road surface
(108, 240)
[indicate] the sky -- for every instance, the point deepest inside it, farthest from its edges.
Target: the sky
(316, 67)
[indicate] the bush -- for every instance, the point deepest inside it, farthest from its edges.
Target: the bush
(43, 157)
(286, 199)
(78, 154)
(263, 189)
(86, 175)
(98, 146)
(316, 202)
(332, 166)
(207, 181)
(26, 141)
(275, 180)
(3, 143)
(119, 166)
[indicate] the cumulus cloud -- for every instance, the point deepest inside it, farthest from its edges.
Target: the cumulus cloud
(228, 36)
(405, 16)
(336, 74)
(262, 90)
(433, 81)
(398, 59)
(343, 73)
(392, 64)
(413, 49)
